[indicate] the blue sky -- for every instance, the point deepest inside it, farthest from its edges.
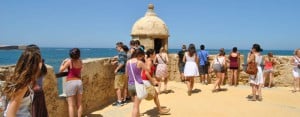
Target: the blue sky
(275, 24)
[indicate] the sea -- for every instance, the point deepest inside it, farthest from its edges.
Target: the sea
(54, 56)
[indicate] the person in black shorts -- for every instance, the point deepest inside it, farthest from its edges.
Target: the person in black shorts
(181, 63)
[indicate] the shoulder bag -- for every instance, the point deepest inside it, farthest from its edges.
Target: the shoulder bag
(252, 68)
(140, 89)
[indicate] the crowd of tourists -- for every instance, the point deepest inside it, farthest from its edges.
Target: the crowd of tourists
(136, 70)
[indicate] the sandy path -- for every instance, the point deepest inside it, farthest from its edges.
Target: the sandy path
(277, 102)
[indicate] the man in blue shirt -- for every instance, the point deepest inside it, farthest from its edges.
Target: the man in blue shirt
(203, 64)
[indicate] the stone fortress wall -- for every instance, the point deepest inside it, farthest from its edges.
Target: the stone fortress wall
(98, 80)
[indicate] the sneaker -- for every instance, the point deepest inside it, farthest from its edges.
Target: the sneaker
(124, 102)
(117, 103)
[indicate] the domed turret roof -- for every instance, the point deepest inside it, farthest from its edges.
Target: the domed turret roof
(150, 25)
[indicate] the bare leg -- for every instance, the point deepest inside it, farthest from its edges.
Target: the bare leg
(217, 83)
(71, 105)
(159, 85)
(253, 92)
(231, 77)
(189, 85)
(271, 79)
(182, 77)
(259, 92)
(119, 94)
(295, 84)
(265, 77)
(192, 83)
(235, 77)
(165, 84)
(125, 89)
(79, 105)
(202, 79)
(206, 78)
(156, 101)
(136, 107)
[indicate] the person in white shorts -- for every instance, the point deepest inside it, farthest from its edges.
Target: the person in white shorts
(295, 61)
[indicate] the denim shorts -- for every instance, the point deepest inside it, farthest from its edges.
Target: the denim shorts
(74, 87)
(181, 67)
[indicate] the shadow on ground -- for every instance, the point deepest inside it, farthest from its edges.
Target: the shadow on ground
(167, 91)
(93, 115)
(196, 91)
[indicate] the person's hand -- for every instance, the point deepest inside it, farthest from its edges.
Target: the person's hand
(114, 62)
(36, 87)
(116, 71)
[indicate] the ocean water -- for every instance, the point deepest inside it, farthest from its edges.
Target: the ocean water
(54, 56)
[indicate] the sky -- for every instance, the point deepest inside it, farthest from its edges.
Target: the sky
(274, 24)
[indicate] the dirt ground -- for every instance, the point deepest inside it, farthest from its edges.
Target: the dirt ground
(233, 102)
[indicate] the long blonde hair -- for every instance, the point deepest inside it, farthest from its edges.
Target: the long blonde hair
(295, 52)
(26, 71)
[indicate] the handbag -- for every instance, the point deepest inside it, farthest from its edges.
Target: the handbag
(252, 68)
(140, 89)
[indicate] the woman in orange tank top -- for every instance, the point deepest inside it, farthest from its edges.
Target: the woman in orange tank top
(269, 68)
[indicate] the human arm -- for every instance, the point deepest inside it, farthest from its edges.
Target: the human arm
(121, 62)
(142, 65)
(251, 57)
(197, 59)
(15, 102)
(148, 75)
(64, 65)
(167, 58)
(184, 58)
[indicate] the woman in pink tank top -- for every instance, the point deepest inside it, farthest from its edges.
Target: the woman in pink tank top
(74, 88)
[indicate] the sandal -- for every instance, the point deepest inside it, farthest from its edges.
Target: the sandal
(293, 91)
(164, 111)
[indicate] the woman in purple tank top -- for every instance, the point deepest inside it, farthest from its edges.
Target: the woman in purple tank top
(137, 64)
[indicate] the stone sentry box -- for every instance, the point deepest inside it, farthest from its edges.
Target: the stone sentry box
(151, 31)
